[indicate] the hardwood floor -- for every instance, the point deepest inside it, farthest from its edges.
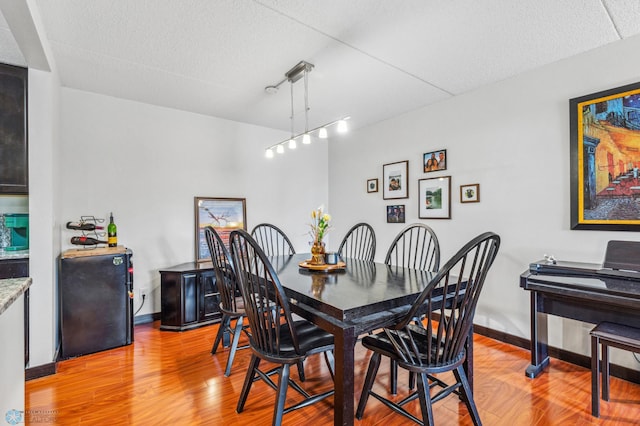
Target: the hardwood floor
(170, 378)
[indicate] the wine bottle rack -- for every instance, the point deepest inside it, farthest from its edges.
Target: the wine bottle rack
(95, 233)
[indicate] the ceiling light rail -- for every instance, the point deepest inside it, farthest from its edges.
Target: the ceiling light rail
(300, 70)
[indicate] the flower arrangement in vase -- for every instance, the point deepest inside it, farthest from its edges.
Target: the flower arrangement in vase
(319, 227)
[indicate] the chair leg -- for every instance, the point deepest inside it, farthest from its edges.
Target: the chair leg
(248, 381)
(605, 371)
(234, 345)
(393, 377)
(595, 377)
(301, 371)
(221, 329)
(374, 364)
(425, 399)
(330, 360)
(283, 384)
(461, 377)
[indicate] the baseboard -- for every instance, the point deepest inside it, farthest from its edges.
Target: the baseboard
(561, 354)
(146, 318)
(40, 371)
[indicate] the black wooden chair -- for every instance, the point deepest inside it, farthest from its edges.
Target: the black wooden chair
(272, 240)
(275, 337)
(417, 247)
(231, 304)
(439, 345)
(359, 243)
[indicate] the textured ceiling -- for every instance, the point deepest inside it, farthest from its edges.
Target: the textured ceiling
(374, 59)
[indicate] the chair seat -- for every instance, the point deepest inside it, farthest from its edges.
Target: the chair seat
(381, 343)
(239, 310)
(311, 340)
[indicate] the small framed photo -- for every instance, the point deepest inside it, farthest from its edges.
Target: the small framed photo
(372, 185)
(395, 214)
(470, 193)
(395, 180)
(434, 198)
(223, 214)
(435, 161)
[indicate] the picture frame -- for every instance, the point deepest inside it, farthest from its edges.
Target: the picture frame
(434, 161)
(223, 214)
(434, 198)
(372, 185)
(395, 180)
(396, 213)
(604, 159)
(470, 193)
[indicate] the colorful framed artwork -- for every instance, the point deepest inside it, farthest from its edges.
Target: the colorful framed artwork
(470, 193)
(395, 214)
(434, 198)
(223, 214)
(395, 180)
(372, 185)
(604, 160)
(435, 161)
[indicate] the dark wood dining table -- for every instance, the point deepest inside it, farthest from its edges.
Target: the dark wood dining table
(365, 296)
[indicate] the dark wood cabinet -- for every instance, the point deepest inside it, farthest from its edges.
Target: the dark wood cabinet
(189, 296)
(14, 171)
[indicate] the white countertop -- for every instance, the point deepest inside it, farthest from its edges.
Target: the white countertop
(11, 289)
(16, 254)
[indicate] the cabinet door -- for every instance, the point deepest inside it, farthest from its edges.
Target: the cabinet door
(190, 298)
(14, 172)
(209, 296)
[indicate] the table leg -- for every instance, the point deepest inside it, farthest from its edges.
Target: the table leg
(344, 372)
(539, 350)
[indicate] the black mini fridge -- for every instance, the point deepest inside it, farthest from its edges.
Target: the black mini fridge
(95, 293)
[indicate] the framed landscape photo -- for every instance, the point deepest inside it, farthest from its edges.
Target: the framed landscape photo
(395, 180)
(372, 185)
(604, 160)
(435, 161)
(434, 198)
(395, 214)
(223, 214)
(470, 193)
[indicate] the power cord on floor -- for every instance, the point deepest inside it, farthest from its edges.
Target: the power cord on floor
(144, 296)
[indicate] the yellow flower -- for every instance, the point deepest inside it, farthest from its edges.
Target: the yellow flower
(326, 217)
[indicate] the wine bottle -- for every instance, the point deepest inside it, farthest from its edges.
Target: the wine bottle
(112, 232)
(86, 241)
(83, 226)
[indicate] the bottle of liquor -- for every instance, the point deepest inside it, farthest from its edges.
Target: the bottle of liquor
(83, 226)
(112, 232)
(86, 241)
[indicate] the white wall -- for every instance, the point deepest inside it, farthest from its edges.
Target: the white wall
(513, 139)
(147, 163)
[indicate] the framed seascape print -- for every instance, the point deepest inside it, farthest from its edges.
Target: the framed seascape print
(395, 180)
(434, 198)
(372, 185)
(470, 193)
(395, 214)
(223, 214)
(435, 161)
(604, 159)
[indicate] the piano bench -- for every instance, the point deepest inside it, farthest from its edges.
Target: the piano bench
(608, 334)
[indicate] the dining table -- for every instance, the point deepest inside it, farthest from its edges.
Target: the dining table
(350, 301)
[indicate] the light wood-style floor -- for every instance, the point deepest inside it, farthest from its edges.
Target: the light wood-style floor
(170, 378)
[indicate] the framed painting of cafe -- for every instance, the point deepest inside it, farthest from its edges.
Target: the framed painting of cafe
(604, 160)
(223, 214)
